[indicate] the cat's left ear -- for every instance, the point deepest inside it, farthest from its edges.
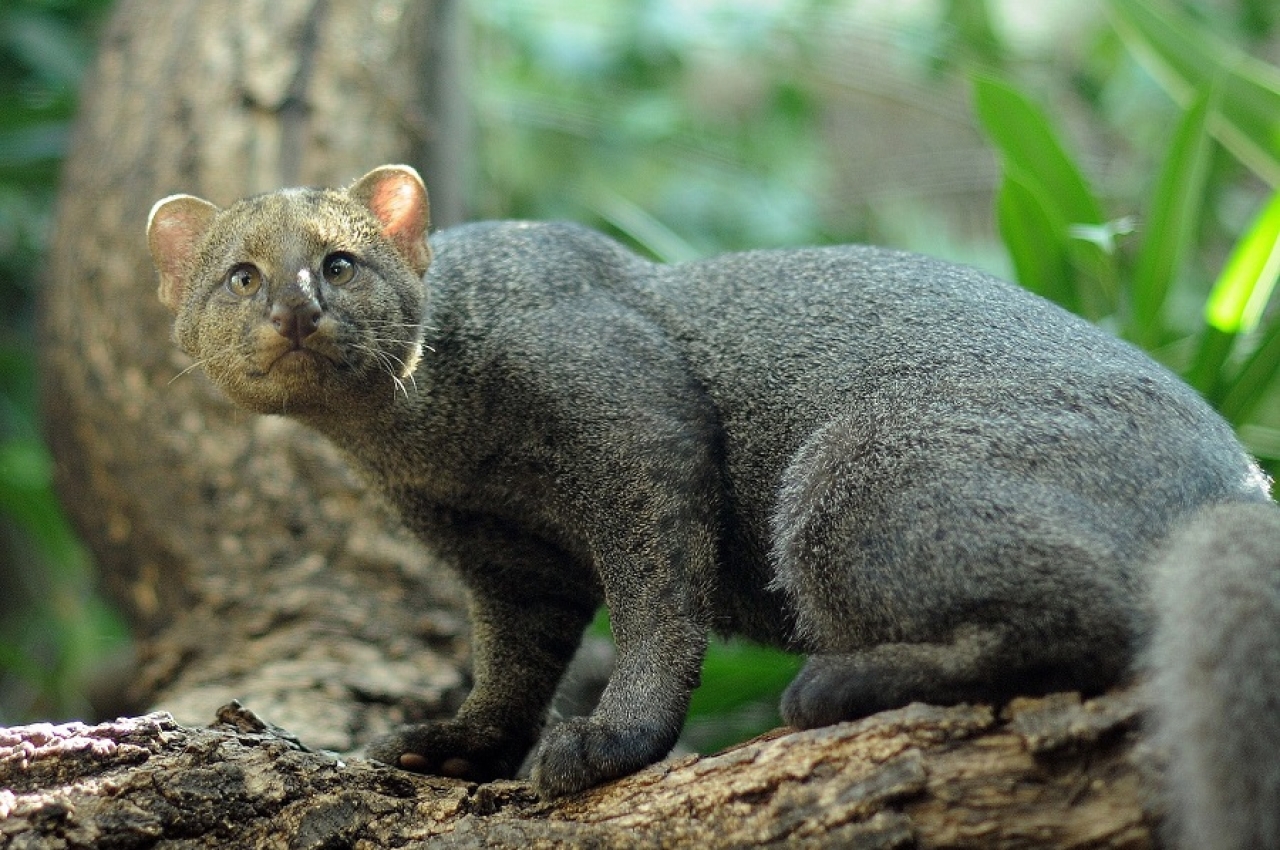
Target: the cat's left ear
(397, 197)
(176, 227)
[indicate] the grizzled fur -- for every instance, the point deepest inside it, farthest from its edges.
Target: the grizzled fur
(936, 485)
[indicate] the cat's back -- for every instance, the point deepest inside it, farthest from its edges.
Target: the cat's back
(948, 369)
(782, 341)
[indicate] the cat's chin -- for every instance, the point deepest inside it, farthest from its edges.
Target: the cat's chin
(273, 399)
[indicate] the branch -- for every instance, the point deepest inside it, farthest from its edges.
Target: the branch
(1048, 773)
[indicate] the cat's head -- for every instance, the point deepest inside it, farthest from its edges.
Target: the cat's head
(303, 300)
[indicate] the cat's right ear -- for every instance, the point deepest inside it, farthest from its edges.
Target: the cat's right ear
(175, 229)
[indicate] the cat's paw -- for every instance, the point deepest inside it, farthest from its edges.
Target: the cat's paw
(450, 748)
(828, 690)
(586, 751)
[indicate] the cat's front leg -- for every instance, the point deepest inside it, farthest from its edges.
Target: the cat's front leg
(661, 631)
(528, 612)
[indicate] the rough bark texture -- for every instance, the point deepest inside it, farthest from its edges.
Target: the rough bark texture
(252, 565)
(1053, 774)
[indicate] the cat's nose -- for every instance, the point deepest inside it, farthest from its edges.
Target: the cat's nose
(296, 321)
(295, 313)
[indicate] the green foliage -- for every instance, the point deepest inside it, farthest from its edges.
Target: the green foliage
(1044, 204)
(739, 694)
(1063, 246)
(52, 626)
(1188, 59)
(1173, 221)
(664, 123)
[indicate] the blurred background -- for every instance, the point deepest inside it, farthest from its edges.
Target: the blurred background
(1118, 156)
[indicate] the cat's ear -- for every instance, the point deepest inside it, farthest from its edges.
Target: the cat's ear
(176, 227)
(397, 197)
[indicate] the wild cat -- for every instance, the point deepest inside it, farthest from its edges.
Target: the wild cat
(936, 485)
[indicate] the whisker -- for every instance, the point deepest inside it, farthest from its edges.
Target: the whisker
(235, 352)
(196, 365)
(386, 361)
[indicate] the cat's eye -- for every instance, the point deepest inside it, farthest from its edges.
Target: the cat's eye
(244, 280)
(339, 268)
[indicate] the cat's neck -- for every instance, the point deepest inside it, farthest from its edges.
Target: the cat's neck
(369, 425)
(399, 439)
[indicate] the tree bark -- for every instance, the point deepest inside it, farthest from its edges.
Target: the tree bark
(248, 560)
(1054, 773)
(252, 565)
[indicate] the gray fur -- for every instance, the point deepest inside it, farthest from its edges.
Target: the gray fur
(938, 486)
(1216, 678)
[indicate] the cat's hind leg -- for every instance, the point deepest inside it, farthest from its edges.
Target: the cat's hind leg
(916, 572)
(976, 666)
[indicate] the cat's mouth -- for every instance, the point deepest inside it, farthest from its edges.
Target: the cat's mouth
(296, 359)
(278, 358)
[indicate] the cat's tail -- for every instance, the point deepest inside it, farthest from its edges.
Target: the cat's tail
(1215, 678)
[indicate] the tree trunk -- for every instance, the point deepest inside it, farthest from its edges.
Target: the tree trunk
(247, 558)
(252, 566)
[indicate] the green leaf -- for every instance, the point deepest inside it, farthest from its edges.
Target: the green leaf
(969, 35)
(24, 468)
(1255, 378)
(1035, 241)
(1205, 372)
(644, 229)
(1026, 140)
(1029, 148)
(1185, 59)
(1263, 442)
(1172, 217)
(1234, 307)
(738, 673)
(1244, 287)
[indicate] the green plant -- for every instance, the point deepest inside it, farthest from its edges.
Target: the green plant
(1065, 247)
(664, 123)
